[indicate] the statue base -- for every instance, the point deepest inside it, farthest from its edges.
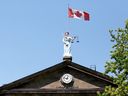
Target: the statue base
(67, 58)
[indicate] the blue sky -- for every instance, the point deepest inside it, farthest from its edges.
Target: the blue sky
(31, 33)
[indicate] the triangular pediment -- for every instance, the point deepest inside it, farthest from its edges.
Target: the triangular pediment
(51, 78)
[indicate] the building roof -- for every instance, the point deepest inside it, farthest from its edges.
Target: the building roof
(63, 65)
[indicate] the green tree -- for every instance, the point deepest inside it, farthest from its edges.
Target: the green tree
(118, 64)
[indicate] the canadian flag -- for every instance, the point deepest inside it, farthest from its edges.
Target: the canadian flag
(72, 13)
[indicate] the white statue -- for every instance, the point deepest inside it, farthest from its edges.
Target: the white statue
(67, 44)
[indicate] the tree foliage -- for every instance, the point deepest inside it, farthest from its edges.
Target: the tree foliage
(118, 64)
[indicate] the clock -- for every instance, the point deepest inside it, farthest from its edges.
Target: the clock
(67, 78)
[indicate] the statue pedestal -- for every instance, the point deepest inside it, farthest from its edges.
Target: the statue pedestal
(67, 58)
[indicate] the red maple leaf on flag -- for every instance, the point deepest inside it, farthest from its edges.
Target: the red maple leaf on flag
(78, 14)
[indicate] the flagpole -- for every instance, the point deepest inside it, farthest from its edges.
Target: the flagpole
(68, 20)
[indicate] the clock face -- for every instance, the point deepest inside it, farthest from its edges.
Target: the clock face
(67, 78)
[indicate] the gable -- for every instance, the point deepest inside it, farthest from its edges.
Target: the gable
(53, 80)
(50, 78)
